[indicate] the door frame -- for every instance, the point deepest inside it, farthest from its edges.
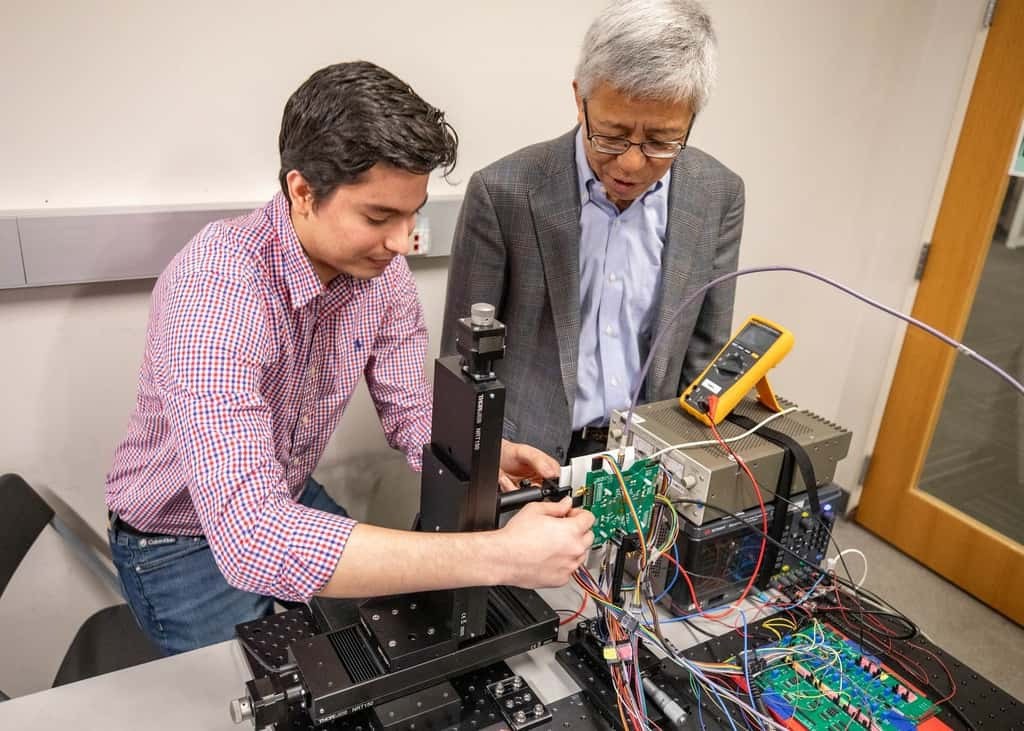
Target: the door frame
(973, 556)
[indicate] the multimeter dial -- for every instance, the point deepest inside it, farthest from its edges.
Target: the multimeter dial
(735, 360)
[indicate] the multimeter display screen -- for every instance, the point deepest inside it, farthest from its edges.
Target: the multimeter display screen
(757, 338)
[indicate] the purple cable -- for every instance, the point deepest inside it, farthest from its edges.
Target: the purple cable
(842, 287)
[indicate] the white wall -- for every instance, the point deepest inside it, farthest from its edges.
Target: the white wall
(837, 115)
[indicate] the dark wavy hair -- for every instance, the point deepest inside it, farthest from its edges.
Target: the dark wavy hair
(348, 117)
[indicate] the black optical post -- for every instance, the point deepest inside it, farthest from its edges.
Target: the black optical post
(460, 466)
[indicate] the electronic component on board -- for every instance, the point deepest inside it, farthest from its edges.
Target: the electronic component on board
(823, 679)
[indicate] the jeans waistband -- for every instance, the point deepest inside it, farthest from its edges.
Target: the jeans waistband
(117, 523)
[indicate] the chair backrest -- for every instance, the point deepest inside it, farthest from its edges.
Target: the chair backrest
(23, 516)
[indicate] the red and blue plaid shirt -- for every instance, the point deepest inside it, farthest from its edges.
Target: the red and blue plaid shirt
(249, 363)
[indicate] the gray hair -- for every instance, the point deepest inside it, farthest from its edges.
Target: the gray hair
(651, 49)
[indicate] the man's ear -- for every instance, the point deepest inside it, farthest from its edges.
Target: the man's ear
(579, 102)
(300, 193)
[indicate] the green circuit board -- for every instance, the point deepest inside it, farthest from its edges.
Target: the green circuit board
(829, 683)
(603, 498)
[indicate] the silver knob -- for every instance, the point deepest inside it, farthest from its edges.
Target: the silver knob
(482, 314)
(241, 710)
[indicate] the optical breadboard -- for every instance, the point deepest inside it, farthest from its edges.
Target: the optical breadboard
(708, 473)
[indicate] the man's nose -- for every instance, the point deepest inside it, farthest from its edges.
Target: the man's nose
(632, 159)
(397, 239)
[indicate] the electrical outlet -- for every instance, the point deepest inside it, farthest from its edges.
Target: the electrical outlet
(419, 239)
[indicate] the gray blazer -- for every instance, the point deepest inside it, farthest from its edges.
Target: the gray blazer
(517, 247)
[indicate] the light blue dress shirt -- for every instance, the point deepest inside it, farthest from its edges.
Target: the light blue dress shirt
(620, 273)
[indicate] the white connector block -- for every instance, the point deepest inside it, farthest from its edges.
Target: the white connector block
(575, 473)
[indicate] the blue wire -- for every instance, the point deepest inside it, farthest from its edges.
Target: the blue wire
(721, 704)
(700, 713)
(639, 677)
(675, 576)
(746, 665)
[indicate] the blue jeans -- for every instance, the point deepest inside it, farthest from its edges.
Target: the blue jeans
(176, 592)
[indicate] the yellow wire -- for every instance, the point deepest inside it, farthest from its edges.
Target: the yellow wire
(674, 530)
(629, 503)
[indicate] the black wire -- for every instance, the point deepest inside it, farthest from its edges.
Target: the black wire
(959, 714)
(849, 583)
(857, 590)
(893, 614)
(749, 525)
(891, 658)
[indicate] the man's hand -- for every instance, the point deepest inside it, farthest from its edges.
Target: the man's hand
(545, 543)
(522, 462)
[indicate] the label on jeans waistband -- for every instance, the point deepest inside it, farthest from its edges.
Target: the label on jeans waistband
(161, 541)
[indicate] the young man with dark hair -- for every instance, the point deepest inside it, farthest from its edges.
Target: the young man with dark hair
(259, 331)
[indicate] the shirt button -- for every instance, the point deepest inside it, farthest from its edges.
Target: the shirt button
(609, 330)
(312, 372)
(615, 381)
(612, 277)
(305, 420)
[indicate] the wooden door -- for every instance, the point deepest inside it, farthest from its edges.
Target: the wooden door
(964, 549)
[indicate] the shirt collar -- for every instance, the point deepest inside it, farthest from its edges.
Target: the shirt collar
(590, 186)
(303, 283)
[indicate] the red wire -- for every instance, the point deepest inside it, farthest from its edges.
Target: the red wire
(578, 611)
(686, 576)
(712, 403)
(952, 680)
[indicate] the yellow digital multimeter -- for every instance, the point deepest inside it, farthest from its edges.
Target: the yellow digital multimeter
(740, 366)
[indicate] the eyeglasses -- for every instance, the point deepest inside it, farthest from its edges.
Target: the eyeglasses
(610, 145)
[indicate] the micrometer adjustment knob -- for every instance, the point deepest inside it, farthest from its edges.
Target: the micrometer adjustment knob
(241, 710)
(482, 314)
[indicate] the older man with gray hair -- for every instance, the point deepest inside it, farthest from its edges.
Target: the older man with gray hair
(587, 242)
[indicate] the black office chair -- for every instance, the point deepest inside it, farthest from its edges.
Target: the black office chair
(108, 640)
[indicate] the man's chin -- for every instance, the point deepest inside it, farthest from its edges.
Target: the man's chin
(369, 270)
